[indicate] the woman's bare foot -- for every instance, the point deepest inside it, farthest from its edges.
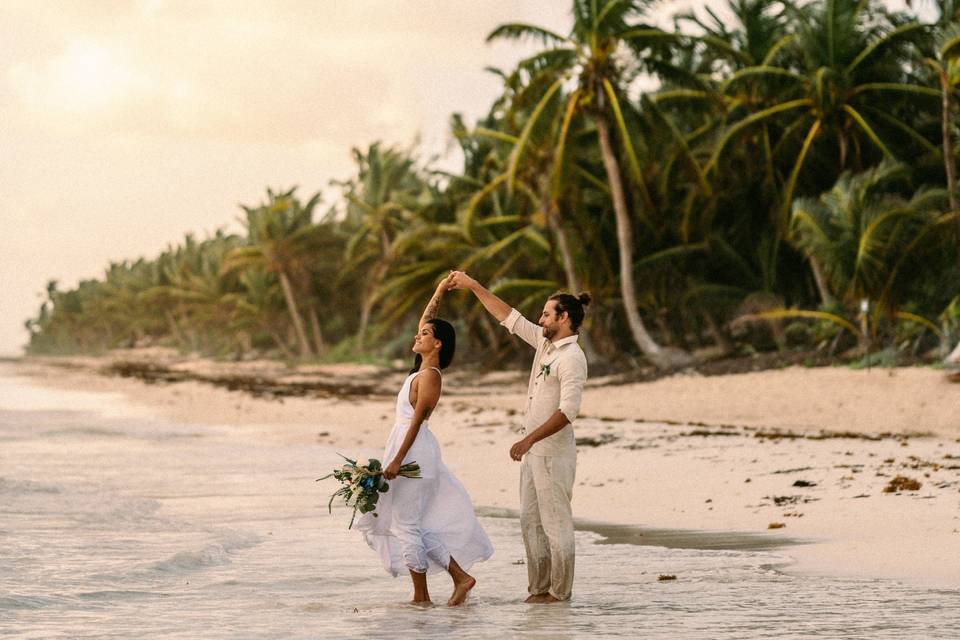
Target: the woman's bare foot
(460, 590)
(422, 603)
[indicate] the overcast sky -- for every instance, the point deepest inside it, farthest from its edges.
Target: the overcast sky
(125, 124)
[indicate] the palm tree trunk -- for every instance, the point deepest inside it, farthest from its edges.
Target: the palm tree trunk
(719, 335)
(569, 269)
(661, 358)
(948, 162)
(843, 151)
(280, 343)
(367, 307)
(315, 329)
(364, 320)
(295, 315)
(826, 298)
(174, 328)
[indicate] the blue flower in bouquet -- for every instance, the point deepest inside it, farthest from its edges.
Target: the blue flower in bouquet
(362, 482)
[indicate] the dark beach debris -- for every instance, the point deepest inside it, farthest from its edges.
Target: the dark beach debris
(596, 441)
(637, 446)
(785, 500)
(707, 432)
(797, 470)
(776, 525)
(777, 434)
(854, 468)
(255, 385)
(486, 425)
(902, 483)
(916, 462)
(804, 483)
(862, 495)
(519, 562)
(666, 578)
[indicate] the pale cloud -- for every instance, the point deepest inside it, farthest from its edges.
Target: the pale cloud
(276, 72)
(128, 123)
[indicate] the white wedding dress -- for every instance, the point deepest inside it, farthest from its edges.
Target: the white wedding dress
(422, 522)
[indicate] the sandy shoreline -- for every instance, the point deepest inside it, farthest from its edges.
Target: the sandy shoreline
(811, 449)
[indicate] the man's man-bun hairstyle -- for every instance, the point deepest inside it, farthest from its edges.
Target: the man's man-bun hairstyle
(572, 306)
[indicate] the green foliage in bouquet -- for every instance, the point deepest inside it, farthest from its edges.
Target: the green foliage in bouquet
(362, 483)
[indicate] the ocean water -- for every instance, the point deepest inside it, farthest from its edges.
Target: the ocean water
(115, 524)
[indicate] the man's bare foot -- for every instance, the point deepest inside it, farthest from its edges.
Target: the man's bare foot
(460, 591)
(549, 599)
(422, 603)
(536, 598)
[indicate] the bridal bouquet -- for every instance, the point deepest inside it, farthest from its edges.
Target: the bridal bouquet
(363, 482)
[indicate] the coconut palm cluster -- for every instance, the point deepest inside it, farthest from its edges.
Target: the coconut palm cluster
(781, 176)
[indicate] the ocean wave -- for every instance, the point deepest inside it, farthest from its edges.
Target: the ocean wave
(13, 601)
(23, 487)
(212, 555)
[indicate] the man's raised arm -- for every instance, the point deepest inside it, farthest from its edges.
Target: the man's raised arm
(504, 313)
(497, 307)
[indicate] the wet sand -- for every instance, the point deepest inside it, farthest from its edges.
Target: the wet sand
(685, 460)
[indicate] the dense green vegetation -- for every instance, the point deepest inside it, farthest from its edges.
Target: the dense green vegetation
(790, 181)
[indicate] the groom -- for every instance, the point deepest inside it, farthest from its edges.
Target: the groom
(547, 450)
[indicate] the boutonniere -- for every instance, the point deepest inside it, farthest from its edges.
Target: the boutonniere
(544, 371)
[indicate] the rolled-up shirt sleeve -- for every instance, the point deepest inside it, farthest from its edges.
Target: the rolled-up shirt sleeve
(571, 373)
(529, 332)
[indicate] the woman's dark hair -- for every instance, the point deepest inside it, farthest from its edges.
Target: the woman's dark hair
(444, 332)
(573, 306)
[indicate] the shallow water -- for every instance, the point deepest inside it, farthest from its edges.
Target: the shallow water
(114, 524)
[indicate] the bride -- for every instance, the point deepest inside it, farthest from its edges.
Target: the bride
(425, 525)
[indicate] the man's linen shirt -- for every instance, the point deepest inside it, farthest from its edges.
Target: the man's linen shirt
(556, 382)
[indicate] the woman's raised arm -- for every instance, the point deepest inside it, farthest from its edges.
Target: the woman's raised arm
(431, 311)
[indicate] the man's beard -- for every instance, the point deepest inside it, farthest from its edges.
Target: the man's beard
(549, 332)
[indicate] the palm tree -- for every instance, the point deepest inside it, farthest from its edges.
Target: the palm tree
(539, 194)
(281, 236)
(382, 205)
(193, 293)
(861, 231)
(946, 66)
(844, 55)
(590, 58)
(258, 306)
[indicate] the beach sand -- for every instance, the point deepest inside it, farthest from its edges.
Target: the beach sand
(808, 452)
